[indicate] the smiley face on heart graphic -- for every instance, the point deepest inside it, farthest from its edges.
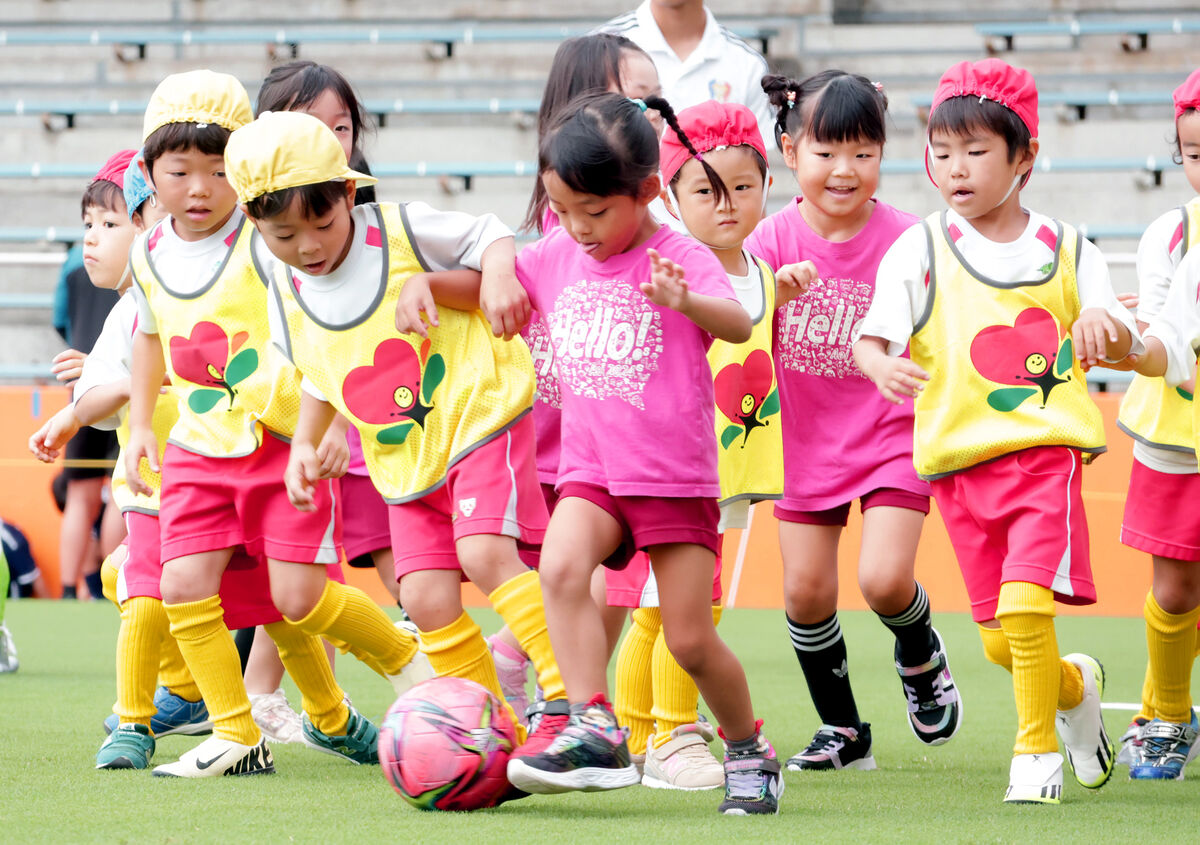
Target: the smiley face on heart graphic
(203, 358)
(743, 394)
(1029, 352)
(393, 389)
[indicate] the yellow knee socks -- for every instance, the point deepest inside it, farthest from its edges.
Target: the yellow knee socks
(305, 660)
(204, 641)
(108, 580)
(348, 614)
(1070, 687)
(1170, 643)
(634, 692)
(143, 626)
(519, 603)
(675, 693)
(173, 672)
(1026, 615)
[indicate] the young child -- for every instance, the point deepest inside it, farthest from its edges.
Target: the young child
(1160, 516)
(842, 441)
(631, 307)
(442, 409)
(1005, 308)
(197, 287)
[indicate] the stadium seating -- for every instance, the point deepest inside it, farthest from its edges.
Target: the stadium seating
(1136, 30)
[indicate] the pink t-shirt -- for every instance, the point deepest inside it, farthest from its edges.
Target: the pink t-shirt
(358, 464)
(841, 439)
(547, 401)
(636, 388)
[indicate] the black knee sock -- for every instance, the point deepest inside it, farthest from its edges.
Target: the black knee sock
(94, 584)
(68, 592)
(913, 630)
(243, 638)
(822, 655)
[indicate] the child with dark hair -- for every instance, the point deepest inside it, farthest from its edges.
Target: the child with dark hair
(1003, 310)
(841, 440)
(638, 467)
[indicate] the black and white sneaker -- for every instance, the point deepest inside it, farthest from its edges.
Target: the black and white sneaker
(934, 706)
(216, 757)
(753, 781)
(835, 748)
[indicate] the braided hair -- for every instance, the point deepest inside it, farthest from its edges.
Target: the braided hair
(720, 190)
(830, 107)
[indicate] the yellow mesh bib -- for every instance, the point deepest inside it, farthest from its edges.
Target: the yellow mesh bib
(1002, 369)
(419, 404)
(228, 379)
(1152, 411)
(166, 413)
(748, 427)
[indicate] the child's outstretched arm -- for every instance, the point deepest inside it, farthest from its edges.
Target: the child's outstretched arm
(1173, 337)
(102, 402)
(501, 295)
(894, 376)
(423, 292)
(725, 319)
(48, 441)
(334, 452)
(146, 380)
(304, 466)
(1098, 336)
(68, 364)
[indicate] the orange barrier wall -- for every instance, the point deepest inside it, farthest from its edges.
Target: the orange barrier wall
(1122, 574)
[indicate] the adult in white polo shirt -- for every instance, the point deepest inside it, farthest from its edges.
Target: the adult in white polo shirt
(697, 58)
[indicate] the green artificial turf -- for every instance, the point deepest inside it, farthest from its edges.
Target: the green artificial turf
(50, 727)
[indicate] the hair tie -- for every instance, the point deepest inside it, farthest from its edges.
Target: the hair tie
(641, 104)
(791, 99)
(878, 86)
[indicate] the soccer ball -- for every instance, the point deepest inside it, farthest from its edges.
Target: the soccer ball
(444, 745)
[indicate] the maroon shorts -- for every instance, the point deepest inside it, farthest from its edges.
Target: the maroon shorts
(890, 497)
(636, 586)
(364, 520)
(1161, 513)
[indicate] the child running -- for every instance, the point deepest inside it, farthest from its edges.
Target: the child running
(442, 408)
(197, 287)
(1003, 309)
(1160, 513)
(842, 441)
(631, 307)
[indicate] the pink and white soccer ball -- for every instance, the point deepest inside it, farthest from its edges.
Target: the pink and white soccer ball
(445, 744)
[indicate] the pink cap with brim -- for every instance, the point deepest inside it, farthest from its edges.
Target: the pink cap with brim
(1187, 95)
(114, 169)
(709, 125)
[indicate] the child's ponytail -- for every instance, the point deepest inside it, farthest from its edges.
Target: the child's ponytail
(719, 187)
(829, 107)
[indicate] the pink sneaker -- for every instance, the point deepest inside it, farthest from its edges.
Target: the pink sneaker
(511, 668)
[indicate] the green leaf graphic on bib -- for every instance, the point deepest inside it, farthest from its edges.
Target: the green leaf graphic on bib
(395, 435)
(1029, 352)
(743, 393)
(729, 435)
(242, 366)
(1186, 396)
(435, 371)
(203, 358)
(202, 401)
(393, 389)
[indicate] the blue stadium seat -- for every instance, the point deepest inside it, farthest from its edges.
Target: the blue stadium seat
(1137, 29)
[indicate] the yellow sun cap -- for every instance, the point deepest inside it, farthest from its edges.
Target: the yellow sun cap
(198, 96)
(282, 150)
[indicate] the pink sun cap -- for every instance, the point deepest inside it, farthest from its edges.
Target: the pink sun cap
(709, 126)
(992, 79)
(1187, 95)
(114, 169)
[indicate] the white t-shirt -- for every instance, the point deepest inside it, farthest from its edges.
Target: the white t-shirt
(442, 240)
(186, 266)
(1159, 252)
(111, 359)
(722, 67)
(1178, 323)
(901, 293)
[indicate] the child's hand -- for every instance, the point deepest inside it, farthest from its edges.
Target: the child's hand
(504, 302)
(667, 286)
(49, 440)
(68, 364)
(303, 471)
(142, 444)
(415, 306)
(1094, 329)
(793, 280)
(334, 452)
(897, 377)
(1129, 300)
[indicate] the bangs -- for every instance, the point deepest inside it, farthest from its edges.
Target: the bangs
(314, 200)
(103, 194)
(970, 115)
(845, 112)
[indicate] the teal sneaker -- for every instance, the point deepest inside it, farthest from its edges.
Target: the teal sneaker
(173, 715)
(130, 746)
(360, 743)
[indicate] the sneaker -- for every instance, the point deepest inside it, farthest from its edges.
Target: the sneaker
(1131, 741)
(1035, 779)
(359, 744)
(8, 652)
(753, 781)
(836, 748)
(130, 746)
(173, 714)
(546, 720)
(1089, 750)
(414, 672)
(588, 755)
(1165, 750)
(275, 717)
(934, 706)
(684, 762)
(216, 757)
(512, 672)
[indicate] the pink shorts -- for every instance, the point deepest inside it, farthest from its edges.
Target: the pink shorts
(890, 497)
(1161, 513)
(492, 490)
(1019, 518)
(635, 585)
(652, 520)
(216, 503)
(364, 520)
